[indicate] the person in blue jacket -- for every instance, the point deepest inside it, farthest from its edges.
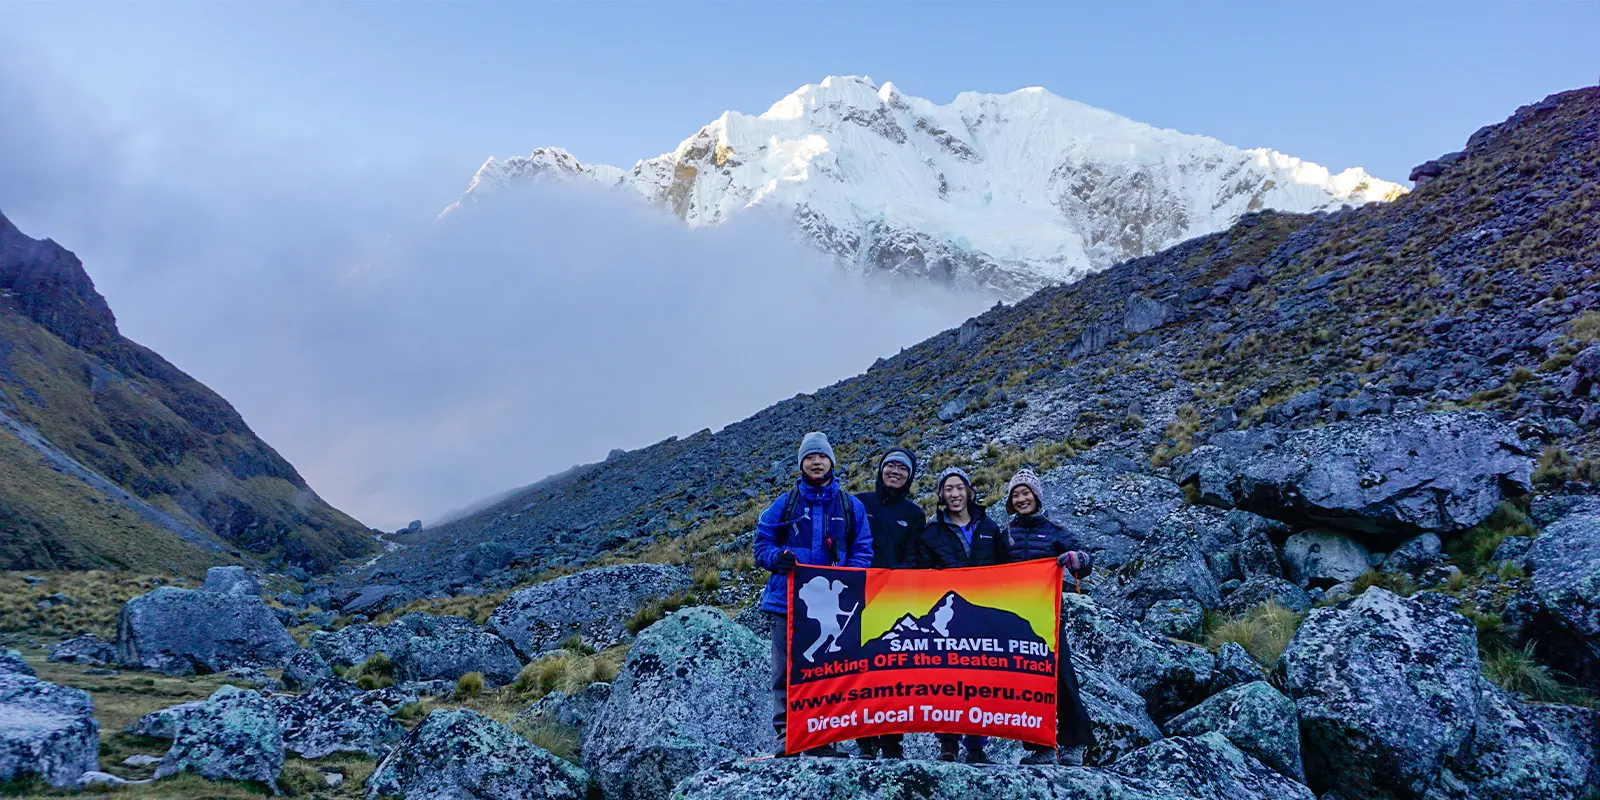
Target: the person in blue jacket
(827, 526)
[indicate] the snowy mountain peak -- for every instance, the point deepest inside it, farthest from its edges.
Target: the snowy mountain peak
(1003, 193)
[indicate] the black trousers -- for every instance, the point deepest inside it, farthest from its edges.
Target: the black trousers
(1072, 719)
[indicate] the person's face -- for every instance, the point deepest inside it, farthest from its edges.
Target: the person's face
(1023, 501)
(895, 475)
(954, 492)
(815, 466)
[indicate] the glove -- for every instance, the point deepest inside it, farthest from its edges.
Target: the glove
(1076, 561)
(784, 563)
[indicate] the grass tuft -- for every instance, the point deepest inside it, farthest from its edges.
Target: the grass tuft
(468, 686)
(1263, 631)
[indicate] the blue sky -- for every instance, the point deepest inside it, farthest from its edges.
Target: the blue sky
(1380, 85)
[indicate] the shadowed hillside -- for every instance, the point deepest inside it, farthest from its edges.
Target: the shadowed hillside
(114, 457)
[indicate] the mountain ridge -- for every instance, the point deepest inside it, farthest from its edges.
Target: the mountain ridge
(1473, 291)
(999, 193)
(92, 418)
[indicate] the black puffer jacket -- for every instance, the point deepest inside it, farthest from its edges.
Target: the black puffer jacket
(894, 518)
(1035, 536)
(940, 545)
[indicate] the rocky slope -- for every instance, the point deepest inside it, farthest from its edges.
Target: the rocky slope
(1475, 291)
(1000, 193)
(113, 457)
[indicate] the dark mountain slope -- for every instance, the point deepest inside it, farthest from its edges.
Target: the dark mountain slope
(76, 398)
(1476, 290)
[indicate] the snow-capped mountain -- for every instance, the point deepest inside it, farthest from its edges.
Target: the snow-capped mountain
(1004, 193)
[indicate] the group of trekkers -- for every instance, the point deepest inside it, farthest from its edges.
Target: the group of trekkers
(818, 522)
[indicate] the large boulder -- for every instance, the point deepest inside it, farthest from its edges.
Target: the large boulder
(236, 581)
(1525, 751)
(1396, 475)
(1170, 676)
(1117, 715)
(11, 663)
(594, 604)
(1386, 688)
(188, 631)
(163, 723)
(354, 644)
(306, 671)
(1322, 558)
(1108, 511)
(462, 754)
(336, 717)
(1256, 718)
(449, 654)
(1167, 565)
(87, 650)
(1415, 555)
(693, 692)
(790, 778)
(1235, 666)
(373, 599)
(1203, 768)
(1208, 767)
(233, 735)
(1565, 560)
(1264, 589)
(46, 731)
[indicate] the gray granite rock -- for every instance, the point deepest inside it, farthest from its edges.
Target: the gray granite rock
(232, 735)
(594, 604)
(1256, 718)
(462, 754)
(46, 731)
(185, 631)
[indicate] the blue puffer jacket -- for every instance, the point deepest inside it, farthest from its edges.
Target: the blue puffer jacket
(818, 517)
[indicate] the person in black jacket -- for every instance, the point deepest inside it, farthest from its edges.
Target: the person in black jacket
(1031, 535)
(960, 535)
(894, 520)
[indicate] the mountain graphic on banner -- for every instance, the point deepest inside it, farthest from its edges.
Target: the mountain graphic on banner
(952, 617)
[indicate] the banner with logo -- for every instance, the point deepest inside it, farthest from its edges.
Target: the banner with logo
(875, 651)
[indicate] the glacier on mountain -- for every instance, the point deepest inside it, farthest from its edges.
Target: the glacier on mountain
(999, 193)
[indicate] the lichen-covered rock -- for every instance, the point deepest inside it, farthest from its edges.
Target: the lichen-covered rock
(1386, 687)
(449, 654)
(1256, 718)
(793, 778)
(1108, 511)
(462, 754)
(306, 670)
(354, 644)
(1523, 751)
(87, 650)
(1117, 715)
(1397, 475)
(11, 663)
(594, 604)
(336, 718)
(1415, 555)
(236, 581)
(1167, 565)
(1565, 560)
(1208, 767)
(693, 692)
(1170, 676)
(1176, 619)
(1266, 588)
(232, 735)
(46, 731)
(163, 723)
(574, 711)
(188, 631)
(1323, 558)
(1235, 666)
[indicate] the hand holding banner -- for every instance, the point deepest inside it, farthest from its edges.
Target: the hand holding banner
(875, 651)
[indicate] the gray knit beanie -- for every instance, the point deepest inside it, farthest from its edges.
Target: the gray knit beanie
(816, 442)
(938, 485)
(1025, 477)
(899, 456)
